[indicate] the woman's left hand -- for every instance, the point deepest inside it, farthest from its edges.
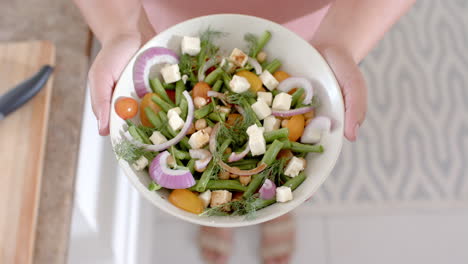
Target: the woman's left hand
(353, 87)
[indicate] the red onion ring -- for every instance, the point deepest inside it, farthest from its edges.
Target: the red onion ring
(203, 157)
(268, 190)
(293, 112)
(176, 139)
(167, 177)
(226, 167)
(298, 82)
(143, 64)
(238, 156)
(256, 65)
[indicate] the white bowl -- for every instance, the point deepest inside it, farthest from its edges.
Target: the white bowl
(299, 58)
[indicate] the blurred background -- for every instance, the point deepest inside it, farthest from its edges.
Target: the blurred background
(398, 195)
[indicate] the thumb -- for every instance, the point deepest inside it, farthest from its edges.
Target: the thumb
(103, 76)
(353, 87)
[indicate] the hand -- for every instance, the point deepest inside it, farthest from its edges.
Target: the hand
(353, 87)
(104, 73)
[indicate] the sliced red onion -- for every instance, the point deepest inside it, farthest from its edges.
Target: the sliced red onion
(256, 65)
(314, 130)
(226, 167)
(176, 139)
(298, 111)
(239, 109)
(203, 157)
(238, 156)
(208, 64)
(143, 64)
(167, 177)
(268, 190)
(218, 95)
(298, 82)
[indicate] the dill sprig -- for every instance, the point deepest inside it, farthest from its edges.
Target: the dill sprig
(275, 171)
(207, 48)
(242, 99)
(187, 66)
(238, 208)
(252, 43)
(127, 151)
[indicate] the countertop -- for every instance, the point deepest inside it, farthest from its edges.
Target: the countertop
(60, 22)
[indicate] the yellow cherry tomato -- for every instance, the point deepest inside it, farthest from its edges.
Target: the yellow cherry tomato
(186, 200)
(296, 127)
(147, 102)
(252, 78)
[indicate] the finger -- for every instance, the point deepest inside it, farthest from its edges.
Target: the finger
(353, 87)
(101, 83)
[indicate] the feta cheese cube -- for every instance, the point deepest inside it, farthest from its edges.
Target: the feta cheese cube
(267, 97)
(239, 84)
(140, 163)
(271, 123)
(171, 73)
(238, 57)
(282, 102)
(199, 139)
(261, 109)
(268, 80)
(176, 122)
(205, 197)
(190, 45)
(256, 142)
(295, 166)
(176, 111)
(283, 194)
(220, 197)
(157, 138)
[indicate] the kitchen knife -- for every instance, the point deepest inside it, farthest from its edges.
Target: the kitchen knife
(24, 91)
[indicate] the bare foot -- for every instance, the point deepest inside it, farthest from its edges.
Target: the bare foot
(278, 240)
(215, 244)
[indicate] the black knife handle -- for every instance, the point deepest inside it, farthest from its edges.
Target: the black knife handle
(24, 91)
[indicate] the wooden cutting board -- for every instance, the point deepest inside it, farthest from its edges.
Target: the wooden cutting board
(22, 144)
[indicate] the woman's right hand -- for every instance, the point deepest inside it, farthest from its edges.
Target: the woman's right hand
(105, 71)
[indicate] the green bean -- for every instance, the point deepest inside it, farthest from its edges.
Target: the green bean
(231, 185)
(191, 166)
(183, 108)
(179, 154)
(255, 183)
(217, 86)
(179, 89)
(184, 143)
(294, 182)
(169, 86)
(270, 136)
(244, 162)
(261, 43)
(296, 96)
(217, 117)
(205, 178)
(227, 80)
(134, 133)
(210, 123)
(213, 76)
(204, 111)
(161, 103)
(275, 92)
(260, 203)
(158, 88)
(273, 66)
(153, 117)
(251, 100)
(225, 145)
(298, 147)
(163, 117)
(272, 151)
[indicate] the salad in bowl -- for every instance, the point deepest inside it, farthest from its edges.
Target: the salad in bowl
(217, 134)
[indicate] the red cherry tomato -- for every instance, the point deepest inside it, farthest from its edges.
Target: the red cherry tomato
(126, 107)
(171, 94)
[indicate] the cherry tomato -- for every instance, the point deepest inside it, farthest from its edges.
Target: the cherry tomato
(233, 118)
(281, 75)
(285, 154)
(147, 102)
(253, 79)
(186, 200)
(296, 127)
(201, 90)
(171, 94)
(126, 107)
